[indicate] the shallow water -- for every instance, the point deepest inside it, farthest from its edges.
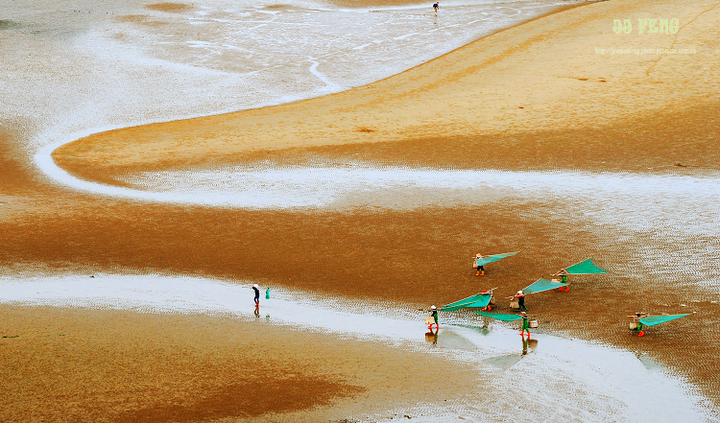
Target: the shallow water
(81, 66)
(564, 378)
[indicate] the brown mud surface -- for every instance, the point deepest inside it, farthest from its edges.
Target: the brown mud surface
(68, 365)
(418, 257)
(169, 7)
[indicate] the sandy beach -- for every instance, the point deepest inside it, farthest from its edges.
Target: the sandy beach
(598, 149)
(539, 77)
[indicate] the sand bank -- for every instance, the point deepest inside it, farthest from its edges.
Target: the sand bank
(113, 366)
(550, 74)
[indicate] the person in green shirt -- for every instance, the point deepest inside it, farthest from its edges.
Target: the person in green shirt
(525, 325)
(636, 319)
(434, 314)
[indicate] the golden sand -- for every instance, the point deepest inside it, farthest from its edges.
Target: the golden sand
(169, 7)
(544, 75)
(66, 365)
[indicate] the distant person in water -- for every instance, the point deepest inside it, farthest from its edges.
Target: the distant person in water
(256, 288)
(436, 6)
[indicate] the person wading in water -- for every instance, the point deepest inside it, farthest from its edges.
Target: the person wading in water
(525, 326)
(256, 288)
(434, 314)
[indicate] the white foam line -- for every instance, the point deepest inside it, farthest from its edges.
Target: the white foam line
(329, 85)
(402, 37)
(273, 22)
(362, 46)
(44, 160)
(636, 196)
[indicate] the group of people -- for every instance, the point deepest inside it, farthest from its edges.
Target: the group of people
(433, 320)
(520, 297)
(480, 271)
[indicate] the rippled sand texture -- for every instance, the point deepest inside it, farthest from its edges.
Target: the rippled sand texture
(536, 104)
(114, 366)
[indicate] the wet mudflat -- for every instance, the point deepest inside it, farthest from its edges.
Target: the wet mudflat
(378, 227)
(383, 259)
(523, 373)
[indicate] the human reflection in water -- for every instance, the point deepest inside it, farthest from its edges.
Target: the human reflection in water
(486, 322)
(257, 312)
(432, 336)
(528, 343)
